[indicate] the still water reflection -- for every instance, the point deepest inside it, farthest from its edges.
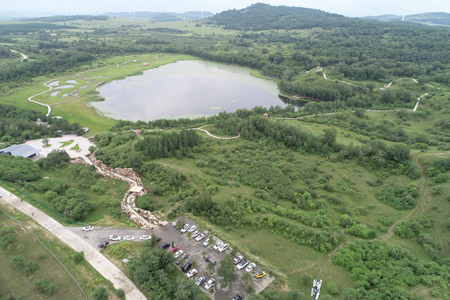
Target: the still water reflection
(186, 89)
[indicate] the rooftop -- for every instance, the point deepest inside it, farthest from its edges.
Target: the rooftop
(20, 150)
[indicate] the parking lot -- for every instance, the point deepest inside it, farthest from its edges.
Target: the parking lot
(194, 250)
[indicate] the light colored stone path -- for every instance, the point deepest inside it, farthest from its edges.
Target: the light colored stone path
(82, 142)
(106, 268)
(23, 55)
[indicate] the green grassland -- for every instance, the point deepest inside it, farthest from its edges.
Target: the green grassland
(20, 284)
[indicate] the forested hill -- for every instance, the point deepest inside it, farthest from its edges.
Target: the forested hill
(266, 17)
(434, 18)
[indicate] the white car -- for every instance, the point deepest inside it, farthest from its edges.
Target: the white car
(210, 283)
(200, 237)
(191, 273)
(238, 259)
(178, 253)
(174, 223)
(193, 228)
(145, 237)
(206, 243)
(87, 228)
(185, 228)
(250, 267)
(114, 238)
(217, 245)
(195, 233)
(223, 248)
(128, 237)
(242, 265)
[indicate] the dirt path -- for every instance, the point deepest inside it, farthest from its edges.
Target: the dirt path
(423, 194)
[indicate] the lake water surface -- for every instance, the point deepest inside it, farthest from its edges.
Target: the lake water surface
(186, 89)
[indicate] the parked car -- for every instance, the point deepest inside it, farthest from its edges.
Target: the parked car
(200, 280)
(238, 297)
(128, 237)
(210, 283)
(165, 246)
(200, 237)
(193, 228)
(191, 273)
(114, 238)
(178, 253)
(195, 233)
(174, 223)
(186, 267)
(223, 248)
(250, 267)
(242, 264)
(145, 237)
(238, 259)
(217, 245)
(260, 274)
(172, 250)
(206, 243)
(103, 244)
(185, 228)
(158, 239)
(87, 228)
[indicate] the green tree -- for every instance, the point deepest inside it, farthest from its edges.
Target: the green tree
(249, 289)
(30, 266)
(45, 142)
(20, 248)
(210, 267)
(226, 271)
(78, 256)
(40, 284)
(41, 254)
(92, 149)
(120, 293)
(51, 289)
(332, 288)
(101, 293)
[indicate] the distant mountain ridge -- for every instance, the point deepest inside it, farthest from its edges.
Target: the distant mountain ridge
(433, 18)
(161, 16)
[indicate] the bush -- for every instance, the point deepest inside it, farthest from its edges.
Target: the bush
(120, 293)
(78, 257)
(332, 288)
(100, 294)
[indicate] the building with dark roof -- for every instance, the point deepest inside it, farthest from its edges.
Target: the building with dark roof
(20, 150)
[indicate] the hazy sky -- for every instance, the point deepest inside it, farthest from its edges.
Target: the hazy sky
(344, 7)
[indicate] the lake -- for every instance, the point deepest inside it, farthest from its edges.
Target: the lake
(186, 89)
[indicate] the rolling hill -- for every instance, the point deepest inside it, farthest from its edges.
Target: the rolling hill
(434, 18)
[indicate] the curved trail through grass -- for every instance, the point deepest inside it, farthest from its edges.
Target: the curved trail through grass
(23, 55)
(49, 110)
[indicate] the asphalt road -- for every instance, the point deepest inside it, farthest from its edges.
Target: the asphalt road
(98, 235)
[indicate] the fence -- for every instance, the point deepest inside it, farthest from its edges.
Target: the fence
(42, 204)
(43, 245)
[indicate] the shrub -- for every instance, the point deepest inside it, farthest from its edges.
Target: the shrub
(100, 294)
(332, 288)
(78, 257)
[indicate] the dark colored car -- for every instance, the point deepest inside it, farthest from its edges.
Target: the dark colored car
(238, 297)
(207, 258)
(103, 244)
(158, 239)
(165, 246)
(186, 267)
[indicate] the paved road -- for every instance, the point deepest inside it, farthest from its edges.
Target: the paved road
(95, 258)
(99, 235)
